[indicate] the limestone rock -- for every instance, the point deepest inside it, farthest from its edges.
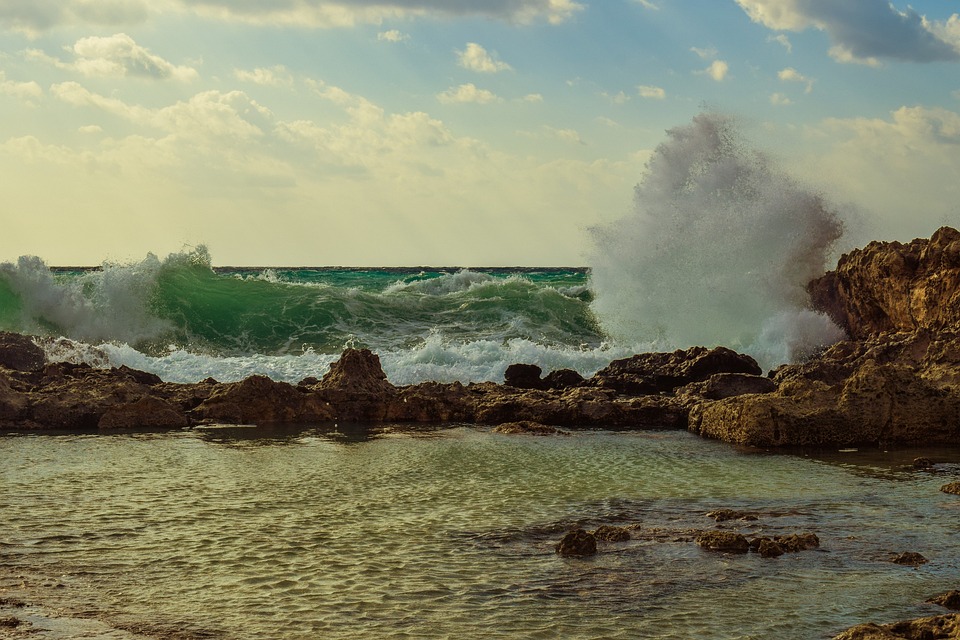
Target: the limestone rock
(18, 352)
(145, 413)
(577, 543)
(946, 627)
(951, 487)
(528, 428)
(723, 541)
(610, 533)
(950, 600)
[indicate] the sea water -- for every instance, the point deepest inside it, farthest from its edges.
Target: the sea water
(292, 533)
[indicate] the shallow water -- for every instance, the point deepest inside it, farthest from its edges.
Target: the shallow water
(256, 533)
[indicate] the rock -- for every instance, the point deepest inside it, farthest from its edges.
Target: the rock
(729, 385)
(950, 600)
(260, 400)
(523, 376)
(357, 371)
(20, 353)
(894, 287)
(723, 541)
(946, 627)
(952, 487)
(528, 428)
(651, 373)
(723, 515)
(610, 533)
(577, 543)
(922, 463)
(562, 379)
(145, 413)
(10, 622)
(910, 559)
(796, 542)
(768, 548)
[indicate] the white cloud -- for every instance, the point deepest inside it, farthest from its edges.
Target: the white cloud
(783, 40)
(717, 70)
(91, 129)
(862, 31)
(779, 100)
(705, 54)
(467, 93)
(790, 74)
(616, 98)
(35, 16)
(116, 55)
(27, 92)
(650, 91)
(392, 36)
(532, 97)
(646, 4)
(476, 58)
(275, 76)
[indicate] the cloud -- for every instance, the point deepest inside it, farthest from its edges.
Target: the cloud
(646, 4)
(275, 76)
(717, 70)
(649, 91)
(863, 31)
(532, 97)
(705, 54)
(616, 98)
(792, 75)
(566, 135)
(779, 100)
(116, 55)
(476, 58)
(27, 92)
(467, 93)
(783, 40)
(35, 16)
(392, 36)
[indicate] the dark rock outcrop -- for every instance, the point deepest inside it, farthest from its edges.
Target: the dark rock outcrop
(909, 559)
(611, 533)
(946, 627)
(577, 543)
(651, 373)
(723, 541)
(950, 600)
(20, 353)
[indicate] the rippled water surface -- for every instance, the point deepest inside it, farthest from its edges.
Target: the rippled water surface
(300, 533)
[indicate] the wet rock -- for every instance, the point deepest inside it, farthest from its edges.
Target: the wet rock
(610, 533)
(768, 548)
(523, 376)
(729, 385)
(950, 600)
(145, 413)
(577, 543)
(723, 515)
(796, 542)
(910, 559)
(19, 353)
(357, 370)
(527, 427)
(10, 622)
(951, 487)
(922, 463)
(723, 541)
(260, 400)
(652, 373)
(946, 627)
(562, 379)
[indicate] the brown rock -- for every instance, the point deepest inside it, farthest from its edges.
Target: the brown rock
(260, 400)
(145, 413)
(577, 543)
(723, 541)
(910, 559)
(523, 376)
(562, 379)
(946, 627)
(610, 533)
(729, 385)
(768, 548)
(19, 353)
(527, 427)
(796, 542)
(723, 515)
(889, 286)
(357, 370)
(950, 600)
(952, 487)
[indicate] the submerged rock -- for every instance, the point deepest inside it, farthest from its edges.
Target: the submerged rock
(529, 428)
(610, 533)
(577, 543)
(723, 541)
(951, 487)
(910, 559)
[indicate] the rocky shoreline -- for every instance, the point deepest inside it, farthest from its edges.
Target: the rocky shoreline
(896, 383)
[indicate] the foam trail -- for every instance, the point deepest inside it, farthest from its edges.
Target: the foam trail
(717, 251)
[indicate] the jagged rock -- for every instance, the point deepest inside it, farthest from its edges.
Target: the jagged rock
(357, 371)
(910, 559)
(729, 385)
(768, 548)
(723, 515)
(577, 543)
(260, 400)
(523, 376)
(950, 600)
(922, 463)
(651, 373)
(951, 487)
(562, 379)
(145, 413)
(894, 287)
(529, 428)
(610, 533)
(19, 353)
(723, 541)
(796, 542)
(946, 627)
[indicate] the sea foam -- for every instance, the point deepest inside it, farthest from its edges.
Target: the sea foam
(717, 251)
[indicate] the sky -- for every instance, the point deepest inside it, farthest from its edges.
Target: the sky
(448, 132)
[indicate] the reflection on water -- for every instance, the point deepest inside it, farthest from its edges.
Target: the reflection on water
(350, 531)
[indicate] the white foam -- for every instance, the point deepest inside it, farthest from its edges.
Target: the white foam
(717, 251)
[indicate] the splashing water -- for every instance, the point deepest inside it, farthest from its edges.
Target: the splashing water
(718, 250)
